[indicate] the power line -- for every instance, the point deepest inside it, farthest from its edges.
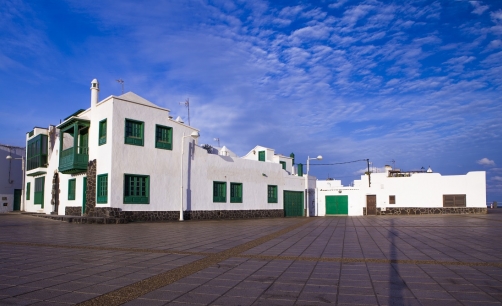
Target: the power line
(347, 162)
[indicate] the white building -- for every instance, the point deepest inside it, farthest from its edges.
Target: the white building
(410, 193)
(126, 157)
(11, 178)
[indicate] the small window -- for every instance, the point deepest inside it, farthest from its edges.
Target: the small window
(102, 132)
(220, 192)
(71, 189)
(163, 137)
(134, 132)
(272, 193)
(136, 189)
(392, 199)
(235, 193)
(102, 189)
(454, 200)
(28, 189)
(283, 163)
(261, 156)
(300, 169)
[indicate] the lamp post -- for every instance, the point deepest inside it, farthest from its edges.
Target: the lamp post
(22, 169)
(194, 135)
(307, 180)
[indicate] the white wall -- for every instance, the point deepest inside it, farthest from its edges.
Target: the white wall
(418, 190)
(11, 176)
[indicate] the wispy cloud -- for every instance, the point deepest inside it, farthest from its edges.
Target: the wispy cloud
(486, 162)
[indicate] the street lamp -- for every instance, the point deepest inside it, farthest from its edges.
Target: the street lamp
(22, 169)
(307, 180)
(194, 135)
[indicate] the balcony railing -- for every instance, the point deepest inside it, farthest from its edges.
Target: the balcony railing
(74, 160)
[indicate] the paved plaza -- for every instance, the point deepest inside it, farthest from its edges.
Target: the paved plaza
(373, 260)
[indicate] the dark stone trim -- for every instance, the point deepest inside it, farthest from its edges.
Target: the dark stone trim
(130, 216)
(73, 210)
(431, 210)
(90, 199)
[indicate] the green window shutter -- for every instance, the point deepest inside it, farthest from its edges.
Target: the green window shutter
(261, 156)
(136, 189)
(272, 193)
(283, 165)
(300, 169)
(102, 189)
(134, 132)
(71, 189)
(235, 192)
(28, 188)
(39, 191)
(163, 137)
(36, 152)
(102, 132)
(220, 192)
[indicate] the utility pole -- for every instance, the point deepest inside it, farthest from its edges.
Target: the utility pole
(369, 173)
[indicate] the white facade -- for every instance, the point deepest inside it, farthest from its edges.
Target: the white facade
(162, 167)
(11, 177)
(409, 190)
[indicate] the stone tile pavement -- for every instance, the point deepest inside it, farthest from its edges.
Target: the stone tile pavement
(373, 260)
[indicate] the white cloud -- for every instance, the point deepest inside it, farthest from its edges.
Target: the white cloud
(478, 8)
(497, 178)
(486, 162)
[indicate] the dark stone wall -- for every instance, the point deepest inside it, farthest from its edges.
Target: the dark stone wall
(73, 210)
(90, 199)
(232, 214)
(131, 216)
(431, 210)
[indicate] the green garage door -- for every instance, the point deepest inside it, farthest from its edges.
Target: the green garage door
(293, 203)
(337, 205)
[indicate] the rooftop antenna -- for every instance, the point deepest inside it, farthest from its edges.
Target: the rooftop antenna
(393, 164)
(121, 83)
(187, 104)
(218, 140)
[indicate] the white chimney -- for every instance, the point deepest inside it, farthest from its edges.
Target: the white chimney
(94, 93)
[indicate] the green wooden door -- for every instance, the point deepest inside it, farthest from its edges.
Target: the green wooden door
(84, 195)
(293, 203)
(337, 205)
(39, 191)
(261, 156)
(17, 199)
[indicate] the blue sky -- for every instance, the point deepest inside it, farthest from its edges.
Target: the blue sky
(417, 82)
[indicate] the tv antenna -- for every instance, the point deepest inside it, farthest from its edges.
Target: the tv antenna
(121, 83)
(218, 140)
(187, 104)
(393, 164)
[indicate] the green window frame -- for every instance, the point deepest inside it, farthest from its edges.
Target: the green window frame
(136, 189)
(102, 189)
(220, 192)
(261, 156)
(134, 132)
(28, 190)
(38, 197)
(72, 184)
(283, 163)
(272, 194)
(36, 155)
(102, 132)
(163, 137)
(235, 192)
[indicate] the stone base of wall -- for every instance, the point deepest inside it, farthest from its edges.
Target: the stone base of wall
(73, 210)
(232, 214)
(131, 216)
(432, 210)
